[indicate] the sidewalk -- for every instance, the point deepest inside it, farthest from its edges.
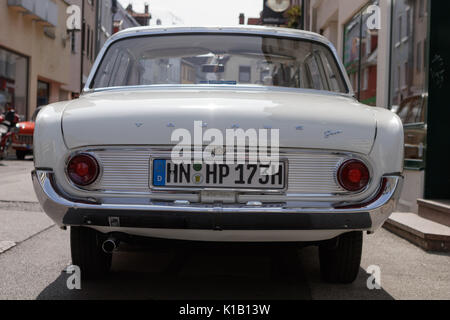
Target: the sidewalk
(15, 181)
(20, 215)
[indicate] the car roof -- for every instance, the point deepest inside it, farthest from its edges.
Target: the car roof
(265, 30)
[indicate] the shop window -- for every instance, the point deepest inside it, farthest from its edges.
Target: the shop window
(13, 81)
(408, 91)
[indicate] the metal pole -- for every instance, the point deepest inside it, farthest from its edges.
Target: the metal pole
(360, 55)
(81, 49)
(302, 24)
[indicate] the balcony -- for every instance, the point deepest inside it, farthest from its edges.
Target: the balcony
(22, 5)
(43, 11)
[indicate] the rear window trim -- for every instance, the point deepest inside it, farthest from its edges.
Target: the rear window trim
(255, 34)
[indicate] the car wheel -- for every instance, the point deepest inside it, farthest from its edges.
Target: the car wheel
(340, 258)
(20, 154)
(87, 253)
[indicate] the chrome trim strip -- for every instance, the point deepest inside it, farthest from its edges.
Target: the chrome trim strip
(56, 205)
(264, 31)
(207, 87)
(294, 157)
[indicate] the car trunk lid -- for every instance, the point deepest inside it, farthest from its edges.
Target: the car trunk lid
(305, 119)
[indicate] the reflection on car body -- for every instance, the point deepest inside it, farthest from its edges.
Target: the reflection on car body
(413, 112)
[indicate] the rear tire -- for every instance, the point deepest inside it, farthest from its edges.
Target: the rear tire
(340, 258)
(21, 154)
(87, 253)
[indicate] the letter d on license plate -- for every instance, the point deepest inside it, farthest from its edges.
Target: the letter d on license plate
(159, 173)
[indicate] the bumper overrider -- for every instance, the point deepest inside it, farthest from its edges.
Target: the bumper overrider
(134, 218)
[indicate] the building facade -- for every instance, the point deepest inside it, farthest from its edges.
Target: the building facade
(82, 44)
(106, 10)
(35, 54)
(142, 18)
(42, 62)
(123, 20)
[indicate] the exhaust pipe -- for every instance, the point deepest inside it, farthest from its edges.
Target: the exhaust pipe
(110, 245)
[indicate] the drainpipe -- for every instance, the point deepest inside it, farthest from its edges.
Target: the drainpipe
(98, 25)
(302, 22)
(81, 49)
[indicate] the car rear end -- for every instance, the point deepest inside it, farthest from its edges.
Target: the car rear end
(105, 166)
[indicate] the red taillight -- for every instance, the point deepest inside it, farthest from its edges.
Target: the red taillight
(83, 169)
(353, 175)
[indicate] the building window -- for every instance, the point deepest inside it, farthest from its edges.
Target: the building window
(92, 45)
(43, 93)
(407, 60)
(408, 23)
(424, 56)
(73, 41)
(88, 47)
(405, 81)
(400, 27)
(419, 58)
(245, 74)
(13, 81)
(83, 39)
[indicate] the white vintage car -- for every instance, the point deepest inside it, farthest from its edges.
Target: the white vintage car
(104, 163)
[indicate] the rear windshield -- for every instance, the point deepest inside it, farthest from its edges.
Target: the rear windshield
(219, 60)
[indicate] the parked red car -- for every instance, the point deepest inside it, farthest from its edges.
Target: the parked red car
(22, 139)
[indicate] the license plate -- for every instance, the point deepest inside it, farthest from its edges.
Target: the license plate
(235, 176)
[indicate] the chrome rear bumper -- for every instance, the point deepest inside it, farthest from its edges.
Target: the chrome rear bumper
(168, 215)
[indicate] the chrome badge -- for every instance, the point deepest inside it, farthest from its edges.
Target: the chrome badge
(330, 133)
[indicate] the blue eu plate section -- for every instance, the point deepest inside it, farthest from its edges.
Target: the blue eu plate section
(159, 173)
